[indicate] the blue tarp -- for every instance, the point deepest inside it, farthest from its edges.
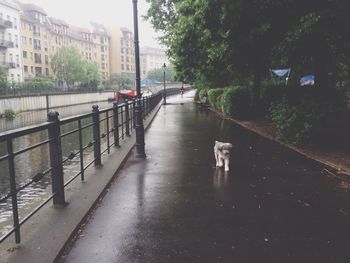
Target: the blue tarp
(281, 72)
(307, 80)
(146, 82)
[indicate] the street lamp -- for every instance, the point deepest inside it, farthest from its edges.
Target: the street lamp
(164, 93)
(140, 131)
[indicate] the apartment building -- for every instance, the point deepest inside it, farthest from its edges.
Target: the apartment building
(10, 44)
(122, 50)
(36, 41)
(127, 59)
(42, 36)
(101, 48)
(152, 58)
(29, 38)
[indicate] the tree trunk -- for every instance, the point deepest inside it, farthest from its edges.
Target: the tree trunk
(256, 90)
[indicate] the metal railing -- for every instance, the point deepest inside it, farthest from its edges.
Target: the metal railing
(118, 122)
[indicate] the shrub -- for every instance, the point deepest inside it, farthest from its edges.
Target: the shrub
(10, 114)
(296, 122)
(236, 101)
(270, 94)
(39, 84)
(214, 97)
(203, 95)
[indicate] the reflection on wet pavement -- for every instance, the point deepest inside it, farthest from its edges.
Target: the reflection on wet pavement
(176, 206)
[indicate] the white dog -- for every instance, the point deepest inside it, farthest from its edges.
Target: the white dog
(222, 154)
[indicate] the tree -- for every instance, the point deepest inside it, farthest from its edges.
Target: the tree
(123, 80)
(67, 65)
(218, 41)
(158, 74)
(91, 75)
(4, 84)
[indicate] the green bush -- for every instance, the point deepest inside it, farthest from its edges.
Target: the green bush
(269, 95)
(296, 121)
(37, 84)
(214, 98)
(203, 95)
(10, 114)
(236, 101)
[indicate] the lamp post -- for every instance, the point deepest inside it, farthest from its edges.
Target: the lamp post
(140, 131)
(164, 93)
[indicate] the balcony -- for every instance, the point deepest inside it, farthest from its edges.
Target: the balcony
(6, 44)
(8, 65)
(5, 23)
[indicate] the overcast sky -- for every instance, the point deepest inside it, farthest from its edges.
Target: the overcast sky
(107, 12)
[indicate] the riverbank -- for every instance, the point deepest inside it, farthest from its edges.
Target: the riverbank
(335, 157)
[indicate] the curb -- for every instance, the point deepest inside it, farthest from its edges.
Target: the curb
(46, 235)
(332, 168)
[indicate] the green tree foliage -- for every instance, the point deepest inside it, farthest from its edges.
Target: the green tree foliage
(123, 80)
(4, 84)
(158, 74)
(37, 84)
(219, 41)
(91, 77)
(67, 65)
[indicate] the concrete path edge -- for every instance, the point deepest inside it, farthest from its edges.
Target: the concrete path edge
(44, 236)
(330, 167)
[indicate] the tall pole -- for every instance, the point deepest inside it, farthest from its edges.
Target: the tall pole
(140, 131)
(164, 92)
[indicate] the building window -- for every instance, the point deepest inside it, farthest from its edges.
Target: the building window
(37, 58)
(25, 68)
(38, 71)
(37, 44)
(25, 54)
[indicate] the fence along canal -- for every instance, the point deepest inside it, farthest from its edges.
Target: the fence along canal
(73, 144)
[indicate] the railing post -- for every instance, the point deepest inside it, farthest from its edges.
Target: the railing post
(116, 124)
(96, 134)
(133, 114)
(13, 191)
(127, 119)
(55, 147)
(143, 108)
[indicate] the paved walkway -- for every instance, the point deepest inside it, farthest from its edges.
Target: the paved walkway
(175, 206)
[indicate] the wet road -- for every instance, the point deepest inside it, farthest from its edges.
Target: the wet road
(175, 206)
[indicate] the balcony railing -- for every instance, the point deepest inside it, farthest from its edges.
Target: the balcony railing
(6, 44)
(5, 23)
(7, 64)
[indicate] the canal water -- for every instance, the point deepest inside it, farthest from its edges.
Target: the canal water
(35, 161)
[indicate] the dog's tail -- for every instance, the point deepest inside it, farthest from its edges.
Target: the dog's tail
(216, 141)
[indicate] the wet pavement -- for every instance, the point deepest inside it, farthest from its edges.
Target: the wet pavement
(175, 206)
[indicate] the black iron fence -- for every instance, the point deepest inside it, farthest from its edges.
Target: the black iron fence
(116, 123)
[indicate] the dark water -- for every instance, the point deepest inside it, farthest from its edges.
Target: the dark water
(30, 163)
